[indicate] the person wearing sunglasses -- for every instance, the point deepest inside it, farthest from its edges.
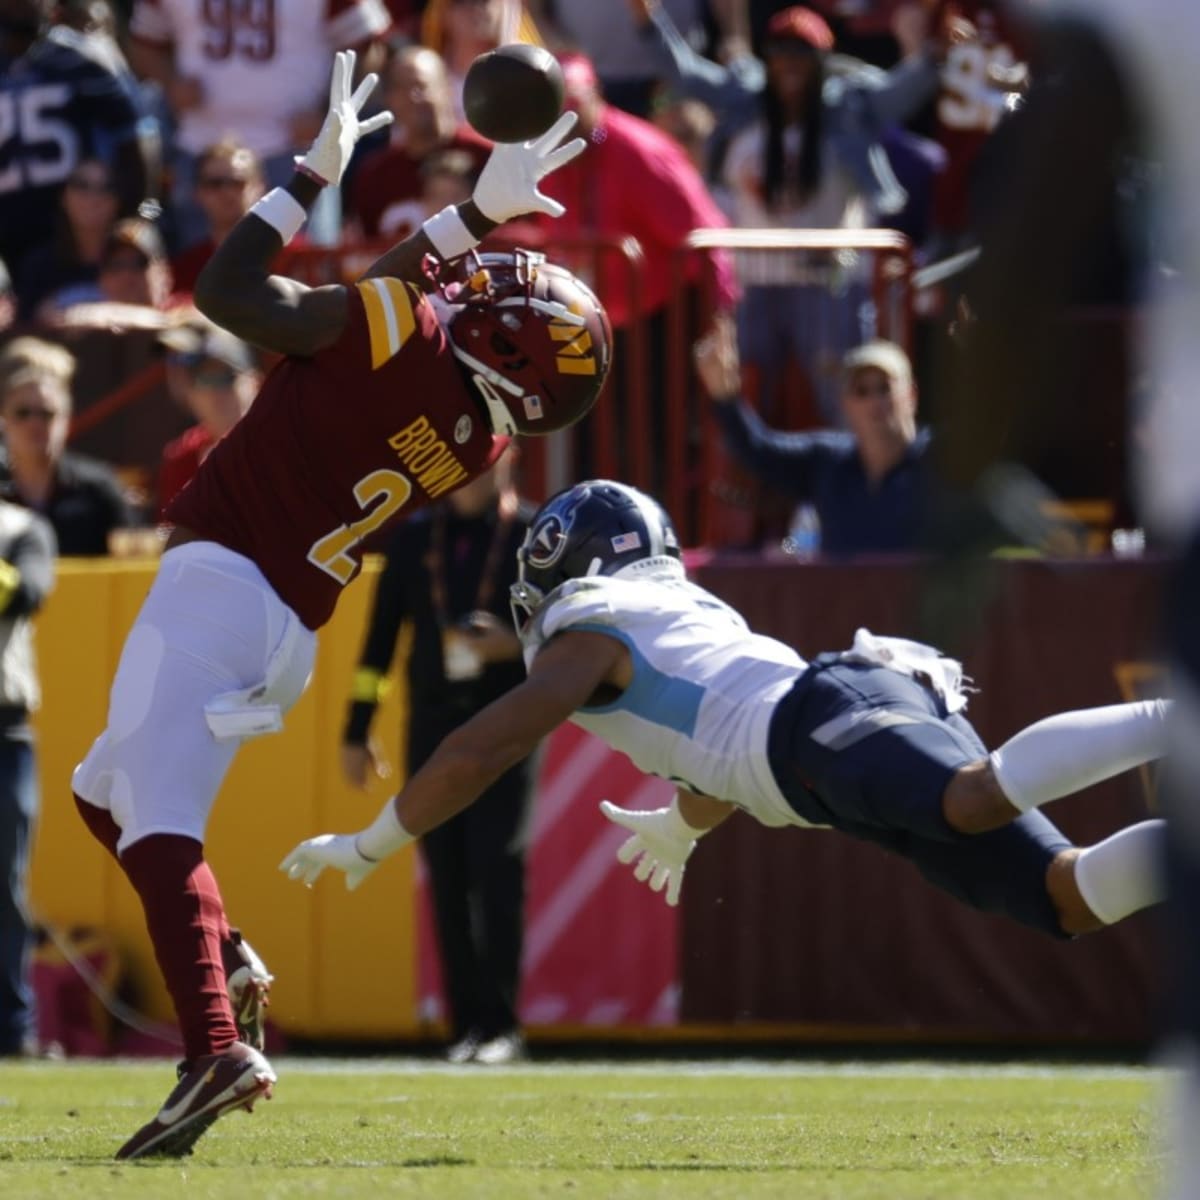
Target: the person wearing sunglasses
(214, 376)
(65, 270)
(869, 483)
(134, 282)
(80, 497)
(229, 179)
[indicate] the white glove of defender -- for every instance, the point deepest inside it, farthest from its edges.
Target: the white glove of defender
(661, 843)
(330, 153)
(340, 850)
(508, 184)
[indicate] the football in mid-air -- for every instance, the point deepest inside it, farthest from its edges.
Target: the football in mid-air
(513, 93)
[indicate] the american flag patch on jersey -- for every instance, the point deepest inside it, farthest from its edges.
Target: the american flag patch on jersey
(626, 541)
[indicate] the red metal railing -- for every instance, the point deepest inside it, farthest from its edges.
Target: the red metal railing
(687, 486)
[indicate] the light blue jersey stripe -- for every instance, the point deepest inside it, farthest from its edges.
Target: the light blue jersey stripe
(653, 696)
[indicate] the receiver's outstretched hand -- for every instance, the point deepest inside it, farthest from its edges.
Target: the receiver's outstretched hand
(330, 154)
(508, 184)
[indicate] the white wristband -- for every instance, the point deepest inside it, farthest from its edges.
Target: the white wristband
(449, 233)
(282, 211)
(384, 836)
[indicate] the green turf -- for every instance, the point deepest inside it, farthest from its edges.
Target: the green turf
(385, 1128)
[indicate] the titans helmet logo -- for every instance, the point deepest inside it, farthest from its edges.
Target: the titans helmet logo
(547, 541)
(548, 538)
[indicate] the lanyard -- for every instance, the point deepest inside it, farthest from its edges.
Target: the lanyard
(506, 511)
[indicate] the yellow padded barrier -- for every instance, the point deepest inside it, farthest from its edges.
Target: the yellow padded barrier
(344, 963)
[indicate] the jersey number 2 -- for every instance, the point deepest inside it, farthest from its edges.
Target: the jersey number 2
(388, 491)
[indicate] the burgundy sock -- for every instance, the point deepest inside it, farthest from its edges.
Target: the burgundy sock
(186, 920)
(99, 820)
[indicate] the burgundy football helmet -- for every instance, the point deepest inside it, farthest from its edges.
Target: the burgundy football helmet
(535, 340)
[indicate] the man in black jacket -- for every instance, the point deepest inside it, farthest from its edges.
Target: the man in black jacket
(448, 572)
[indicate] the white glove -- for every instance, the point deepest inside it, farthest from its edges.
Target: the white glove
(662, 840)
(339, 850)
(330, 153)
(508, 184)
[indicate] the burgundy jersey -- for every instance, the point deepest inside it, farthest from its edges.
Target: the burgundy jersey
(971, 101)
(339, 445)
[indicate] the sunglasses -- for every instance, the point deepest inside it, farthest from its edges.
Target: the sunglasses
(28, 414)
(227, 182)
(125, 262)
(97, 187)
(214, 377)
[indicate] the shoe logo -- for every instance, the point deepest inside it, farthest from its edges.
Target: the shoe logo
(169, 1114)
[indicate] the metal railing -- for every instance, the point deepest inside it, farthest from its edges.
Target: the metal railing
(690, 484)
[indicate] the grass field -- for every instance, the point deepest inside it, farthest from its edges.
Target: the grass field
(381, 1128)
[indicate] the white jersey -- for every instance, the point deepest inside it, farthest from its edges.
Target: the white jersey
(704, 687)
(1154, 45)
(260, 64)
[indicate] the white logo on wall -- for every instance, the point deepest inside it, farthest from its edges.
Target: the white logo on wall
(462, 429)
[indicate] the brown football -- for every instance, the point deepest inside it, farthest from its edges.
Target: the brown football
(513, 93)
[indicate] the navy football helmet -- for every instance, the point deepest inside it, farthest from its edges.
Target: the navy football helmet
(594, 528)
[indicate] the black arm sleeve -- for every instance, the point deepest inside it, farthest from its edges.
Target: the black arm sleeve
(388, 610)
(782, 460)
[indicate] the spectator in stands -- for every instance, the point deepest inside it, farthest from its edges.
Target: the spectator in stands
(985, 69)
(26, 577)
(690, 123)
(448, 573)
(388, 183)
(81, 498)
(461, 30)
(229, 179)
(135, 283)
(869, 483)
(8, 298)
(66, 270)
(627, 64)
(66, 85)
(813, 160)
(214, 375)
(236, 68)
(634, 181)
(731, 88)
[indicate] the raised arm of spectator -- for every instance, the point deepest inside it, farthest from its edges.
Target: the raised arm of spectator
(726, 89)
(880, 100)
(783, 460)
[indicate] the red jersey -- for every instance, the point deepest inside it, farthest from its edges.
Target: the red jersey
(186, 267)
(181, 459)
(971, 101)
(340, 445)
(386, 193)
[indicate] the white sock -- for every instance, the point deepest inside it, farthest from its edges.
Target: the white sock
(1071, 751)
(1123, 873)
